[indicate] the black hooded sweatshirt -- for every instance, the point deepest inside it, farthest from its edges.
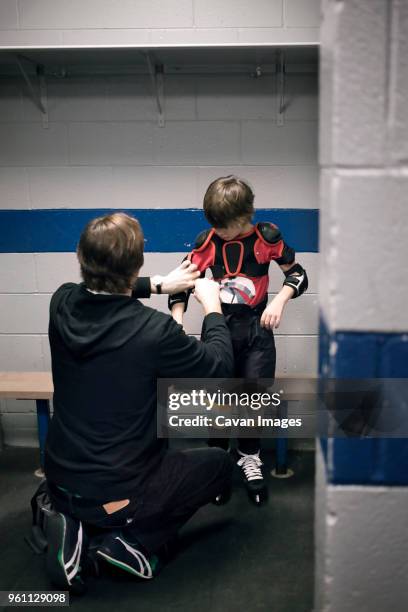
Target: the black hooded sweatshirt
(107, 352)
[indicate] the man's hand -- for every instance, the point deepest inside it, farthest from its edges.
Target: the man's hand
(180, 279)
(207, 292)
(272, 315)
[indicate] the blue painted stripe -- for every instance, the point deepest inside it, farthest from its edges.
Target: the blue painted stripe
(362, 354)
(365, 355)
(170, 230)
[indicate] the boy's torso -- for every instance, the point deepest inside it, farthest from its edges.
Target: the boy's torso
(240, 266)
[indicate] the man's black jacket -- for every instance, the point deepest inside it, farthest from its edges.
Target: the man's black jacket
(107, 353)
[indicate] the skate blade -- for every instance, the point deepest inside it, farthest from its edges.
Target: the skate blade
(258, 498)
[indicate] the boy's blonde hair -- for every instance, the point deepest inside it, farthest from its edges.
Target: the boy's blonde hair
(228, 199)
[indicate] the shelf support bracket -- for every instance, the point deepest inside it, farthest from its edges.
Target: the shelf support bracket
(39, 96)
(280, 87)
(157, 76)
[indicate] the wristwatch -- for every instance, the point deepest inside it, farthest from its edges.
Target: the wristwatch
(158, 282)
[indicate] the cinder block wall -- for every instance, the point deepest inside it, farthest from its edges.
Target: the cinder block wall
(362, 493)
(44, 23)
(104, 149)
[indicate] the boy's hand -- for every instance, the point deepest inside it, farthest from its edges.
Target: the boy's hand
(272, 315)
(181, 278)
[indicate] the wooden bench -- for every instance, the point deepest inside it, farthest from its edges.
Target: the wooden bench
(38, 386)
(31, 386)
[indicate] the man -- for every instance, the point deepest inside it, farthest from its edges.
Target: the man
(104, 465)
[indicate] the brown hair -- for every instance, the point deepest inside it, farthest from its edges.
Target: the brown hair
(226, 200)
(110, 252)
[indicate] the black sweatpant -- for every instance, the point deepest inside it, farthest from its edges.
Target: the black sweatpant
(184, 482)
(254, 355)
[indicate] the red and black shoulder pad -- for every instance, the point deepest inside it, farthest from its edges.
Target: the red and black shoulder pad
(268, 232)
(203, 239)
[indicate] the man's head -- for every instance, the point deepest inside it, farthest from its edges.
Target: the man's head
(229, 206)
(110, 253)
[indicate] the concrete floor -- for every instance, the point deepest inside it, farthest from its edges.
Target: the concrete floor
(232, 558)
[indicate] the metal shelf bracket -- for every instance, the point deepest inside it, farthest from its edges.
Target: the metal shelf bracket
(280, 87)
(39, 96)
(156, 72)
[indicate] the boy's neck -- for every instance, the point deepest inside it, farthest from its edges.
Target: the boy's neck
(247, 228)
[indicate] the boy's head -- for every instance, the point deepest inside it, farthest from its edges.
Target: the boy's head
(229, 205)
(110, 253)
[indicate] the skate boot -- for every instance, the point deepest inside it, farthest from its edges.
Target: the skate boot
(253, 478)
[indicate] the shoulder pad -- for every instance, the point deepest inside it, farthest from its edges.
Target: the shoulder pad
(268, 232)
(203, 239)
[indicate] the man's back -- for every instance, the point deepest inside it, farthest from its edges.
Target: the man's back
(107, 352)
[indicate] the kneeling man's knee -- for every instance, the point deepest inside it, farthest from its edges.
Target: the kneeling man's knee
(222, 460)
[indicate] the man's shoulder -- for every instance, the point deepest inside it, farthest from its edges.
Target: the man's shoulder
(65, 289)
(68, 287)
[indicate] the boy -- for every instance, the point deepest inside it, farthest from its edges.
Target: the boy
(238, 254)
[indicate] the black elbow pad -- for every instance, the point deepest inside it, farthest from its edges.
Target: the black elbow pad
(179, 298)
(296, 278)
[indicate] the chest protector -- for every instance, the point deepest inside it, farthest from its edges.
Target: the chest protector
(228, 259)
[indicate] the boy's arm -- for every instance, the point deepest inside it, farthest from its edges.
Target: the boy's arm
(295, 284)
(274, 248)
(177, 312)
(202, 256)
(295, 278)
(178, 302)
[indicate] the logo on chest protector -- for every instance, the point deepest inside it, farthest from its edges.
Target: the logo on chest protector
(237, 290)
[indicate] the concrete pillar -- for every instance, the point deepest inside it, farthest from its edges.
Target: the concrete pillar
(362, 493)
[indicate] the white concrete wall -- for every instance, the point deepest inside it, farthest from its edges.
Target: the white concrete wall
(361, 531)
(103, 148)
(364, 155)
(83, 23)
(361, 546)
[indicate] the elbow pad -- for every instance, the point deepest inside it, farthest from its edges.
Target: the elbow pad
(179, 298)
(296, 278)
